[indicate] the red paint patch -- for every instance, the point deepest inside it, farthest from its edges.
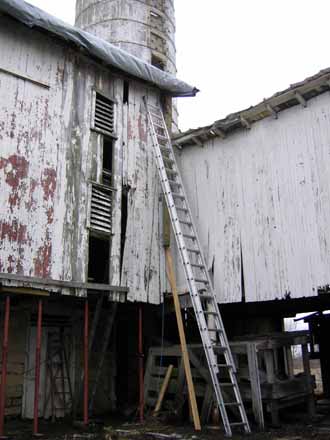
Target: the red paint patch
(43, 260)
(130, 134)
(13, 232)
(48, 183)
(142, 129)
(31, 202)
(15, 168)
(50, 215)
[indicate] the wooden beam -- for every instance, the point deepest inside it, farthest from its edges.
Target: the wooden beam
(255, 384)
(185, 355)
(163, 389)
(23, 291)
(300, 99)
(197, 141)
(219, 132)
(25, 77)
(245, 122)
(60, 283)
(272, 111)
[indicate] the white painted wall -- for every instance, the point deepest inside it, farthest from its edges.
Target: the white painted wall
(49, 154)
(265, 190)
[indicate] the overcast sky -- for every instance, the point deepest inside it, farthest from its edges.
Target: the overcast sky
(238, 52)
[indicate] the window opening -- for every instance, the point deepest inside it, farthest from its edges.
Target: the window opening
(98, 262)
(107, 161)
(125, 92)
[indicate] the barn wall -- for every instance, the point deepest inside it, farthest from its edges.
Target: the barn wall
(49, 154)
(143, 263)
(264, 193)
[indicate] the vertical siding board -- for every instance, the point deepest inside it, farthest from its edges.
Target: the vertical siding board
(141, 265)
(273, 190)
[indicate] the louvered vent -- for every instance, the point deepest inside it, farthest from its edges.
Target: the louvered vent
(104, 115)
(101, 208)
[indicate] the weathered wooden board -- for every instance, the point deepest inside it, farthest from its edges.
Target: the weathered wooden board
(49, 155)
(265, 191)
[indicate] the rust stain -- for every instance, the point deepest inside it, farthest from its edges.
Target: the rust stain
(13, 232)
(48, 183)
(50, 215)
(42, 262)
(130, 133)
(142, 129)
(15, 168)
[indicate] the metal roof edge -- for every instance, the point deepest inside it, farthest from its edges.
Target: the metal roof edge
(34, 17)
(298, 93)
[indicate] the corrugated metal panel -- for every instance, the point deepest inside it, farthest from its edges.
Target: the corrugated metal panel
(266, 190)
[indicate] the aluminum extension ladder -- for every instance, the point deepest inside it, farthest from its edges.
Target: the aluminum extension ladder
(216, 347)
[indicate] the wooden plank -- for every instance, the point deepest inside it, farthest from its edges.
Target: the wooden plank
(25, 77)
(23, 291)
(163, 389)
(255, 384)
(307, 371)
(60, 283)
(185, 356)
(180, 397)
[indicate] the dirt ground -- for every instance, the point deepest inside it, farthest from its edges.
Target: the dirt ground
(156, 430)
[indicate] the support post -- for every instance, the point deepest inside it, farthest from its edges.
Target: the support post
(185, 355)
(4, 365)
(86, 364)
(37, 371)
(141, 382)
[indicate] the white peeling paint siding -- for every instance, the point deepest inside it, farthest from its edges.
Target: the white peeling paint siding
(266, 191)
(143, 266)
(49, 155)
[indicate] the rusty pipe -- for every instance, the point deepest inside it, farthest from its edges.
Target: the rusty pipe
(141, 381)
(4, 365)
(37, 370)
(86, 372)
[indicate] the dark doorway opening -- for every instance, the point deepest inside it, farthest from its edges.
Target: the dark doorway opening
(98, 263)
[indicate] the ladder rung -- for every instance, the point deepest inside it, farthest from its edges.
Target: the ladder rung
(219, 349)
(199, 280)
(226, 384)
(179, 208)
(158, 125)
(160, 136)
(157, 115)
(178, 195)
(215, 330)
(173, 182)
(192, 237)
(168, 160)
(206, 296)
(237, 424)
(195, 251)
(165, 149)
(233, 404)
(225, 366)
(171, 171)
(189, 224)
(210, 313)
(200, 266)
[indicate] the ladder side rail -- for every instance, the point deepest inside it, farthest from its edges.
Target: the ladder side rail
(183, 252)
(239, 399)
(196, 301)
(219, 322)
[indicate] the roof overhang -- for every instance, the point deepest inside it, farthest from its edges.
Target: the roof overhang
(297, 94)
(106, 53)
